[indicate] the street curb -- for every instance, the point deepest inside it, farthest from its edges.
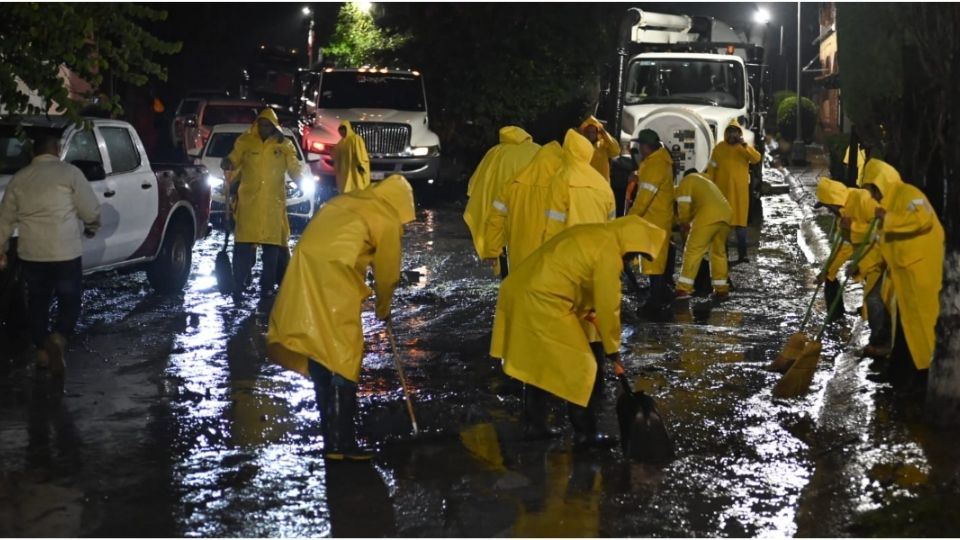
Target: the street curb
(811, 239)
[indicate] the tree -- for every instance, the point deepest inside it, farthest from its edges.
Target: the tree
(357, 40)
(97, 42)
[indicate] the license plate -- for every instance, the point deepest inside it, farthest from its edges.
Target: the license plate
(377, 175)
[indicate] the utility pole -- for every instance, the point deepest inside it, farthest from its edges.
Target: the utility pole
(799, 150)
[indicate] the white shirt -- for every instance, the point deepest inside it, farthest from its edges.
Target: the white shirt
(51, 203)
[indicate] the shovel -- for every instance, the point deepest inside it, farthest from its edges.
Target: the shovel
(796, 342)
(643, 435)
(222, 267)
(403, 378)
(796, 381)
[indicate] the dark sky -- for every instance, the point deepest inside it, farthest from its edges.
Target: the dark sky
(218, 39)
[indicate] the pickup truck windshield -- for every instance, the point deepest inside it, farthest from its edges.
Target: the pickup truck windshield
(221, 144)
(354, 90)
(15, 153)
(706, 82)
(228, 114)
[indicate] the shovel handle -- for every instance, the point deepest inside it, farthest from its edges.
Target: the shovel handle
(403, 378)
(834, 248)
(855, 260)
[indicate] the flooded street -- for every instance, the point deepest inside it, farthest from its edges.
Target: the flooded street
(173, 421)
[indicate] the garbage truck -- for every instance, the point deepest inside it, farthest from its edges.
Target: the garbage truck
(687, 78)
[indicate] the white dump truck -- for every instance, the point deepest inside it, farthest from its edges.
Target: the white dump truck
(686, 78)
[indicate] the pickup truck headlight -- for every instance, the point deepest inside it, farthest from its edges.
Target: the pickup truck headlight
(309, 186)
(214, 181)
(423, 151)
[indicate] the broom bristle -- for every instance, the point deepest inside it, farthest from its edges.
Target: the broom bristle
(796, 381)
(791, 351)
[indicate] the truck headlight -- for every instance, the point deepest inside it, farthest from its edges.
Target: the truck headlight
(423, 151)
(214, 181)
(309, 186)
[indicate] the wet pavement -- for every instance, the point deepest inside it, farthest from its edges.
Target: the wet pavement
(173, 422)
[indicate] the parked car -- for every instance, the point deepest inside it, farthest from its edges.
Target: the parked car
(387, 108)
(190, 105)
(151, 215)
(301, 195)
(199, 116)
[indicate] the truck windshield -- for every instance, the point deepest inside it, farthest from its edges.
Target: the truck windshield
(355, 90)
(707, 82)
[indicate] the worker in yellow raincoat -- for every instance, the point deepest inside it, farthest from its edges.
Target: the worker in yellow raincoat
(654, 202)
(517, 218)
(912, 246)
(578, 194)
(539, 327)
(315, 327)
(351, 164)
(729, 168)
(264, 157)
(704, 214)
(498, 167)
(605, 146)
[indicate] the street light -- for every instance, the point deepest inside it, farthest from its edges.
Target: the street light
(306, 11)
(799, 150)
(364, 6)
(761, 16)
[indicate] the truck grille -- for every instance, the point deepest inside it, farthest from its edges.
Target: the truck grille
(383, 138)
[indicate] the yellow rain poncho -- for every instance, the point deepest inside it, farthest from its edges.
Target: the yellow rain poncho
(837, 194)
(912, 245)
(729, 168)
(578, 194)
(518, 218)
(261, 214)
(498, 167)
(655, 201)
(700, 203)
(317, 311)
(861, 161)
(351, 164)
(605, 149)
(537, 330)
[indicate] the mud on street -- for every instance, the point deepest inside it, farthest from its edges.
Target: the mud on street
(173, 422)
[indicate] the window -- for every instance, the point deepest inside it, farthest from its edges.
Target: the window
(228, 114)
(354, 90)
(124, 156)
(666, 80)
(188, 106)
(83, 147)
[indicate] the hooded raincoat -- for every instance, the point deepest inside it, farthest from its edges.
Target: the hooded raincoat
(316, 315)
(912, 245)
(498, 167)
(729, 168)
(537, 330)
(655, 201)
(700, 203)
(518, 217)
(578, 194)
(351, 164)
(848, 199)
(605, 149)
(261, 214)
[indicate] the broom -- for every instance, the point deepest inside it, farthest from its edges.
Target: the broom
(796, 381)
(222, 267)
(403, 378)
(796, 342)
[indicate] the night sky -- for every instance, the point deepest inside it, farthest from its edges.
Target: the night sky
(218, 39)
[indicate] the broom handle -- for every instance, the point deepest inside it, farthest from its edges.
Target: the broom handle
(834, 248)
(855, 260)
(403, 378)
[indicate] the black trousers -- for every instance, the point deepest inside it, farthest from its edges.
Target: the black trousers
(44, 281)
(244, 255)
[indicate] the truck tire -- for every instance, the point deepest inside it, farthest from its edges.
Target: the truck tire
(169, 272)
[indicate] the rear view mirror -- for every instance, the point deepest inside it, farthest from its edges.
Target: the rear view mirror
(93, 170)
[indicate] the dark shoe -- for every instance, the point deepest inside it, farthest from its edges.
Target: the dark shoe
(583, 442)
(345, 405)
(719, 296)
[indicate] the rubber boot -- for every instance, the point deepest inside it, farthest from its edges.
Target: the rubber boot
(830, 291)
(323, 389)
(535, 424)
(584, 419)
(345, 403)
(741, 234)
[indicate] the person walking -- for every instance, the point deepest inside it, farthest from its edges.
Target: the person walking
(53, 207)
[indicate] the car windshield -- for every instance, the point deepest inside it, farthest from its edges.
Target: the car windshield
(708, 82)
(355, 90)
(229, 114)
(16, 152)
(221, 144)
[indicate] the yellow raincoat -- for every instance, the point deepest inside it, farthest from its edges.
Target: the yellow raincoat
(729, 168)
(655, 201)
(605, 149)
(578, 194)
(537, 330)
(316, 315)
(912, 245)
(518, 218)
(837, 194)
(351, 164)
(700, 203)
(261, 214)
(861, 160)
(498, 167)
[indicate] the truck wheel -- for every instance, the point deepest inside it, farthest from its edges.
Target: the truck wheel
(169, 272)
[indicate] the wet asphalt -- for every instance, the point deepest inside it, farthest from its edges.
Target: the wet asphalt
(173, 421)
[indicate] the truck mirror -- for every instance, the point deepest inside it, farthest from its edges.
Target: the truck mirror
(93, 170)
(194, 152)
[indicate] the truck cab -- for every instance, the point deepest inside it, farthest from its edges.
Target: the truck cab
(388, 110)
(688, 78)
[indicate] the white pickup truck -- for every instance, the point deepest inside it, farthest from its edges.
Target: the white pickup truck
(150, 215)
